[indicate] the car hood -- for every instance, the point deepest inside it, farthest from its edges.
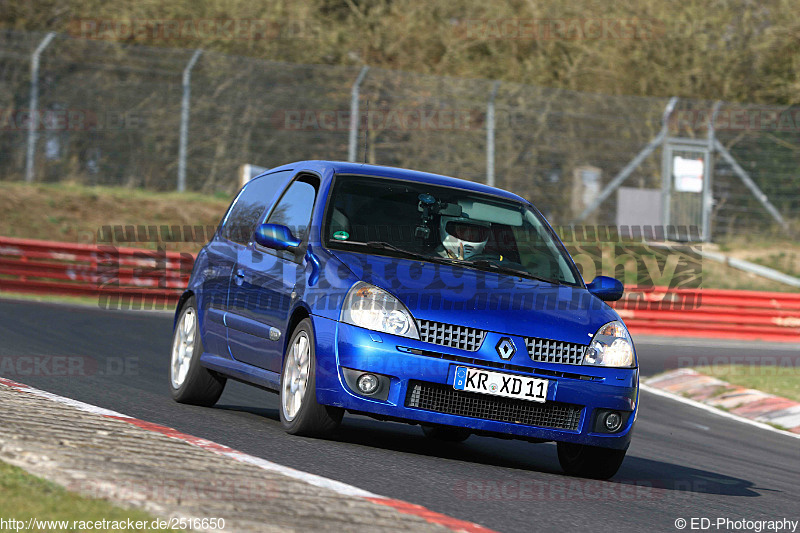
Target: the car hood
(485, 300)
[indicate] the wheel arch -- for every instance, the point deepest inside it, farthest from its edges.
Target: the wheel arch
(182, 300)
(298, 315)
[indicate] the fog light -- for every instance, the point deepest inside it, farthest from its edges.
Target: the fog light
(612, 421)
(367, 383)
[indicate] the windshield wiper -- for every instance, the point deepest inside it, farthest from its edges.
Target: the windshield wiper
(484, 263)
(480, 263)
(383, 245)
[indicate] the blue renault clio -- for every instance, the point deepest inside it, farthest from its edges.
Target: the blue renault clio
(409, 297)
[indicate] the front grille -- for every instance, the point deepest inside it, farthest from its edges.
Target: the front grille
(447, 400)
(497, 364)
(460, 337)
(550, 351)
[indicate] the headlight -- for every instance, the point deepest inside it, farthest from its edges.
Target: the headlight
(372, 308)
(611, 346)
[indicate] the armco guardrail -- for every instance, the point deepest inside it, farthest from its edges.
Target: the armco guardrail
(147, 278)
(717, 313)
(124, 277)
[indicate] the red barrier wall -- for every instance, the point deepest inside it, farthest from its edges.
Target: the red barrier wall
(147, 278)
(133, 277)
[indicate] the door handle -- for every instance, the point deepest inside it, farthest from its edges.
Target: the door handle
(239, 276)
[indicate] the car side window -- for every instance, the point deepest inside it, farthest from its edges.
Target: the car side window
(294, 208)
(248, 207)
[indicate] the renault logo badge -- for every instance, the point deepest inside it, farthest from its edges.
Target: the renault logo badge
(505, 348)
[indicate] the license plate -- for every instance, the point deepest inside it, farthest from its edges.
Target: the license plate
(498, 384)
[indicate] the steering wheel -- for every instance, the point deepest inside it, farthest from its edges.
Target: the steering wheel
(489, 257)
(496, 258)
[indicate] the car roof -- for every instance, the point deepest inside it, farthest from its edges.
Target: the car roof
(342, 167)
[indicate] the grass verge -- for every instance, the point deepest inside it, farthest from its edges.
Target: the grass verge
(75, 213)
(782, 255)
(24, 496)
(778, 380)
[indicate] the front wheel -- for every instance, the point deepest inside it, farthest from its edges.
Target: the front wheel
(189, 381)
(589, 461)
(300, 412)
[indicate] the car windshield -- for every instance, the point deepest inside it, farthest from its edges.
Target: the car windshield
(443, 224)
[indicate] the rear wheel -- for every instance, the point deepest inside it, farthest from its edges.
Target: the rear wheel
(300, 412)
(189, 381)
(589, 461)
(446, 434)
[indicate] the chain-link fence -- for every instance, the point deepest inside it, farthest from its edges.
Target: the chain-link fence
(110, 114)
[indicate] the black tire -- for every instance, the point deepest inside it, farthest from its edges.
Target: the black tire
(310, 419)
(589, 461)
(200, 386)
(446, 434)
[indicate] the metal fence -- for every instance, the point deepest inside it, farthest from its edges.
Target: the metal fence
(111, 114)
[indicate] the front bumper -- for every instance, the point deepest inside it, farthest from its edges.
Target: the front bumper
(409, 363)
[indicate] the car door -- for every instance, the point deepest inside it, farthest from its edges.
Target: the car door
(218, 261)
(235, 233)
(265, 282)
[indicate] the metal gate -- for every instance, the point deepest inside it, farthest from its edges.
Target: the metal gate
(686, 192)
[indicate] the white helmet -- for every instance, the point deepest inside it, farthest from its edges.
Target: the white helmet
(463, 238)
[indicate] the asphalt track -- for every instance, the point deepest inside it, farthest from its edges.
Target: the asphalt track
(683, 463)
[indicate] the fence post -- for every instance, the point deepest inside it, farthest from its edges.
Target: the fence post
(632, 164)
(490, 135)
(184, 134)
(352, 147)
(33, 119)
(708, 185)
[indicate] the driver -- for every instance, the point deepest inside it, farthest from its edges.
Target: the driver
(462, 238)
